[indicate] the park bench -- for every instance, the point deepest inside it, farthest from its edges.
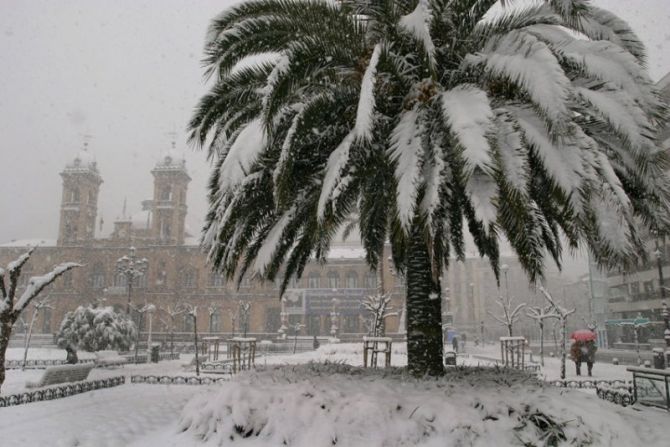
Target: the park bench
(109, 358)
(54, 375)
(651, 386)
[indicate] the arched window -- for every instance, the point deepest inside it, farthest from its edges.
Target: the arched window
(98, 276)
(352, 280)
(187, 325)
(120, 280)
(333, 279)
(313, 280)
(161, 274)
(74, 195)
(166, 193)
(215, 322)
(216, 279)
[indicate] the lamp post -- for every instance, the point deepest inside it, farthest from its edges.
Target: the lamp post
(659, 265)
(283, 315)
(131, 267)
(334, 316)
(150, 310)
(244, 310)
(666, 319)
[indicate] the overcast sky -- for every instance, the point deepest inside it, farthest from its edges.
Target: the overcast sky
(128, 73)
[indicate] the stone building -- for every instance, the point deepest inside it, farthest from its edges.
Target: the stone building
(177, 270)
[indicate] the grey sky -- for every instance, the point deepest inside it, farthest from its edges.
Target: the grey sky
(128, 73)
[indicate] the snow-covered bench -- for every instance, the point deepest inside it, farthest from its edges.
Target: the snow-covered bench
(54, 375)
(109, 358)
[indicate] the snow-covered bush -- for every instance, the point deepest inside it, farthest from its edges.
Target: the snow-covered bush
(320, 404)
(96, 329)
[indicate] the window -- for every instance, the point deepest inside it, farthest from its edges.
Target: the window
(215, 322)
(333, 280)
(648, 286)
(272, 320)
(120, 280)
(313, 281)
(352, 280)
(187, 324)
(189, 279)
(371, 280)
(74, 195)
(97, 276)
(161, 274)
(166, 229)
(216, 279)
(166, 193)
(351, 324)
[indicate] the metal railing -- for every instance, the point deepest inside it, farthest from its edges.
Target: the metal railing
(60, 392)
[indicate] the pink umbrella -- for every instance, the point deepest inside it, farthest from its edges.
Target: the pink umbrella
(583, 335)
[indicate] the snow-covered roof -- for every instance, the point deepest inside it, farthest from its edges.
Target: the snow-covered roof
(30, 243)
(346, 253)
(171, 159)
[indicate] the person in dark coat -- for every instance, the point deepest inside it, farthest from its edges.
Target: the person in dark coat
(454, 343)
(71, 358)
(315, 343)
(584, 351)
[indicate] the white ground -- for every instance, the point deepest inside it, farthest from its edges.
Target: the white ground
(552, 365)
(362, 409)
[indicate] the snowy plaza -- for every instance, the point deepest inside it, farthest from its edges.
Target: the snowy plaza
(323, 397)
(313, 223)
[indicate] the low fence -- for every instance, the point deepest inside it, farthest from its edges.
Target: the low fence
(61, 391)
(178, 380)
(45, 363)
(39, 364)
(590, 384)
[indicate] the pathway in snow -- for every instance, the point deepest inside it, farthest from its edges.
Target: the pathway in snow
(104, 418)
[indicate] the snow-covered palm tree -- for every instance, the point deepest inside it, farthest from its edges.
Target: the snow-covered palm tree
(426, 117)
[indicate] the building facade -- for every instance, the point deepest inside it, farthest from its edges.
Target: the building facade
(177, 270)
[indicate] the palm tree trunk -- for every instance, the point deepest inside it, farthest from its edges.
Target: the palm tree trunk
(424, 318)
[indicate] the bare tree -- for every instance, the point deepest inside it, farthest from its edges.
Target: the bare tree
(563, 315)
(378, 306)
(539, 314)
(172, 313)
(12, 306)
(44, 303)
(192, 311)
(212, 309)
(509, 316)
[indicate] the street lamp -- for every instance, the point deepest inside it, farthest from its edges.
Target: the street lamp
(283, 315)
(666, 319)
(334, 316)
(659, 265)
(131, 267)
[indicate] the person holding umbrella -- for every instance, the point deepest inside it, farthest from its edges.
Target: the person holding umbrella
(583, 349)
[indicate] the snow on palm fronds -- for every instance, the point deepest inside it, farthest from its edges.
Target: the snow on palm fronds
(530, 123)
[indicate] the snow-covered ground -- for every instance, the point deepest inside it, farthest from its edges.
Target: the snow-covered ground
(309, 404)
(552, 365)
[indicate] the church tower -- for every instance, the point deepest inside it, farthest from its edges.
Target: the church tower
(169, 202)
(79, 204)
